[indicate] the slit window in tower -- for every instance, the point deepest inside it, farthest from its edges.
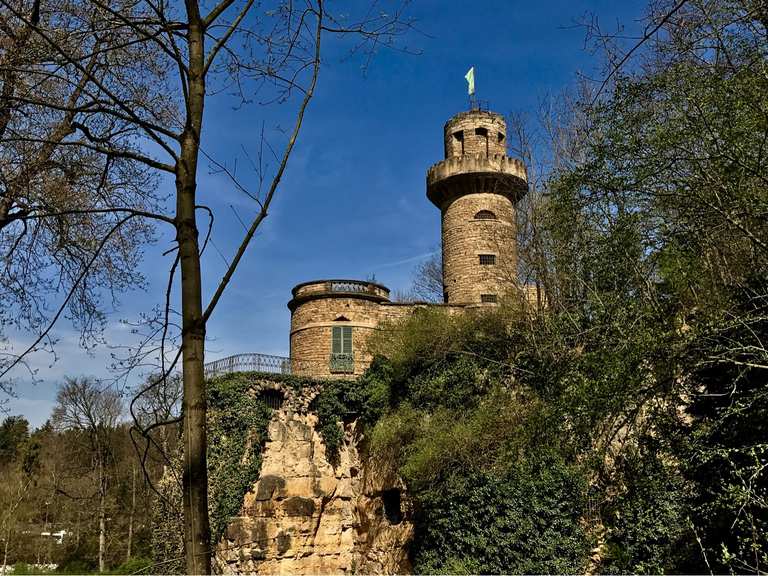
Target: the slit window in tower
(483, 133)
(501, 137)
(488, 298)
(487, 259)
(485, 215)
(459, 137)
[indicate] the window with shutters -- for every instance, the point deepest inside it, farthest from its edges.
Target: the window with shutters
(342, 358)
(488, 298)
(487, 259)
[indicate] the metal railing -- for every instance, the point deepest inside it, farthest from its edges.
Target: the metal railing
(349, 286)
(248, 363)
(342, 363)
(252, 362)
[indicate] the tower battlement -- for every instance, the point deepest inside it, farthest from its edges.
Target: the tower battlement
(475, 132)
(476, 188)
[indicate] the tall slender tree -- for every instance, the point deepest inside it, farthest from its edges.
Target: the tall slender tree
(83, 405)
(148, 113)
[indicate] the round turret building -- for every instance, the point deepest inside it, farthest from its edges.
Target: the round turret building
(476, 189)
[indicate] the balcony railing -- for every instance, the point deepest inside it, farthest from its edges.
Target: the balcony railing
(342, 363)
(339, 364)
(349, 286)
(249, 363)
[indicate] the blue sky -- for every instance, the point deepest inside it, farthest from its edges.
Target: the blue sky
(352, 203)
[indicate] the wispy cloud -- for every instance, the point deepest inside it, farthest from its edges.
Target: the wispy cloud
(405, 260)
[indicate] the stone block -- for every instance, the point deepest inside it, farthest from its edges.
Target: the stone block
(268, 485)
(297, 487)
(299, 506)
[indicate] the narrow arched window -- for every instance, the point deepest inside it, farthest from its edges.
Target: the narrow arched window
(482, 134)
(485, 215)
(459, 137)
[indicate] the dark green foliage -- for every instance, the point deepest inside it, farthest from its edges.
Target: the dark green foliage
(650, 532)
(134, 566)
(237, 425)
(523, 520)
(727, 451)
(485, 469)
(14, 432)
(343, 400)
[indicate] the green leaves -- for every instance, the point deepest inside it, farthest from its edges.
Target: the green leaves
(522, 519)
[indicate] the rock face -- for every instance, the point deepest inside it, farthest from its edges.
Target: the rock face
(307, 516)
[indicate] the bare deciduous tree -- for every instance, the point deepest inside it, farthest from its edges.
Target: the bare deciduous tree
(83, 405)
(136, 76)
(58, 198)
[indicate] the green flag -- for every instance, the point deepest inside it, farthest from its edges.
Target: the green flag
(471, 80)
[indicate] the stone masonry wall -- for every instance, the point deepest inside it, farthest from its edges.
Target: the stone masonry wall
(307, 516)
(465, 238)
(462, 137)
(311, 328)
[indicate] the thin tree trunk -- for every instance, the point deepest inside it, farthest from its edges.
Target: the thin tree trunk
(5, 550)
(197, 537)
(133, 511)
(102, 515)
(45, 529)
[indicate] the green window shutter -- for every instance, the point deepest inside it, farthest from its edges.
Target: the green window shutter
(346, 346)
(336, 340)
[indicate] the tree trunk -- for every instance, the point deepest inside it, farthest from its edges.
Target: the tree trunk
(102, 515)
(195, 474)
(45, 529)
(131, 515)
(197, 537)
(5, 550)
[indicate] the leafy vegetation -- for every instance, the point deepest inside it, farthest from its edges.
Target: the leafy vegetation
(238, 417)
(630, 410)
(238, 420)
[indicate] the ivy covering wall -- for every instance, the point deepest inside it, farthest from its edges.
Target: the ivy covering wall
(238, 418)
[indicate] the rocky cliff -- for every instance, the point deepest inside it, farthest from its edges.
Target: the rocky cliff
(306, 515)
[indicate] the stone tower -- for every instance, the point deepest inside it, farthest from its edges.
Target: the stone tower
(330, 321)
(476, 188)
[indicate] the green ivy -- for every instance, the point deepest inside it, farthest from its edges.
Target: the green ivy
(339, 401)
(237, 428)
(522, 520)
(238, 419)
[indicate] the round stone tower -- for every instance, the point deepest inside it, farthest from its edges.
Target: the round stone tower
(476, 188)
(330, 322)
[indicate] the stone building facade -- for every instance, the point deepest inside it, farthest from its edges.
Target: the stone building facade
(476, 188)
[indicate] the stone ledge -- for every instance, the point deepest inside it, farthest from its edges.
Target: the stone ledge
(476, 173)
